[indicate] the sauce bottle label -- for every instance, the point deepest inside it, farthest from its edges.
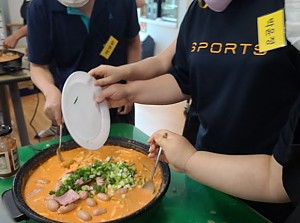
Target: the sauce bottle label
(15, 158)
(4, 163)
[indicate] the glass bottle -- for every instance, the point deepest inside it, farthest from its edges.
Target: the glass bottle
(9, 158)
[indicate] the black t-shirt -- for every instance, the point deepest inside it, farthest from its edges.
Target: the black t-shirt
(291, 162)
(53, 38)
(242, 96)
(23, 10)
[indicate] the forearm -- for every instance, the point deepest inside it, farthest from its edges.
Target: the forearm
(22, 32)
(12, 40)
(145, 69)
(42, 78)
(141, 70)
(160, 91)
(252, 177)
(152, 66)
(134, 50)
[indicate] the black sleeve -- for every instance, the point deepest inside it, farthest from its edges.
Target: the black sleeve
(282, 148)
(133, 26)
(295, 216)
(23, 10)
(291, 174)
(288, 155)
(180, 62)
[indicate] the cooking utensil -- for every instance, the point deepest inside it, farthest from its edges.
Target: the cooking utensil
(58, 150)
(142, 215)
(11, 65)
(149, 185)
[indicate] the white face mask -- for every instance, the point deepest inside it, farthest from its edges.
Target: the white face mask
(73, 3)
(217, 5)
(292, 23)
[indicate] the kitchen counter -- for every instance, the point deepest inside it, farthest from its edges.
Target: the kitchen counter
(9, 87)
(185, 201)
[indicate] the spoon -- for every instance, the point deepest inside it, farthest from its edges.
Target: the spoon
(58, 150)
(149, 185)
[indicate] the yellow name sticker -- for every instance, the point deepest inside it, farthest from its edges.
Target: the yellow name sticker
(271, 33)
(109, 47)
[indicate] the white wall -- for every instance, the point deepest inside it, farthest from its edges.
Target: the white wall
(14, 11)
(11, 11)
(4, 9)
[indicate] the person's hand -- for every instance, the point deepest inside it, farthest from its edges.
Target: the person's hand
(52, 106)
(106, 74)
(177, 150)
(124, 110)
(10, 42)
(117, 95)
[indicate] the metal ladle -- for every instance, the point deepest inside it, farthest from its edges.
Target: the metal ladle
(58, 150)
(149, 185)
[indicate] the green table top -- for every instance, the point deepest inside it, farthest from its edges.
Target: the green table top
(185, 201)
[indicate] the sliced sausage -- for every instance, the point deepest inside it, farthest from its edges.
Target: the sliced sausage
(99, 211)
(67, 208)
(103, 197)
(90, 202)
(52, 205)
(84, 215)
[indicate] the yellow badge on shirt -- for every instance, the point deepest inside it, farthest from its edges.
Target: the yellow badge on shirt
(109, 47)
(271, 33)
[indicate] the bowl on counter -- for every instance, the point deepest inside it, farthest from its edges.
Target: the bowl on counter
(10, 61)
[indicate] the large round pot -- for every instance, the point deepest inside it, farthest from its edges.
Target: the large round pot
(141, 215)
(11, 65)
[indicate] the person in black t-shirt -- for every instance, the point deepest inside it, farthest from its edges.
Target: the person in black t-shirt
(52, 39)
(265, 178)
(145, 69)
(243, 96)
